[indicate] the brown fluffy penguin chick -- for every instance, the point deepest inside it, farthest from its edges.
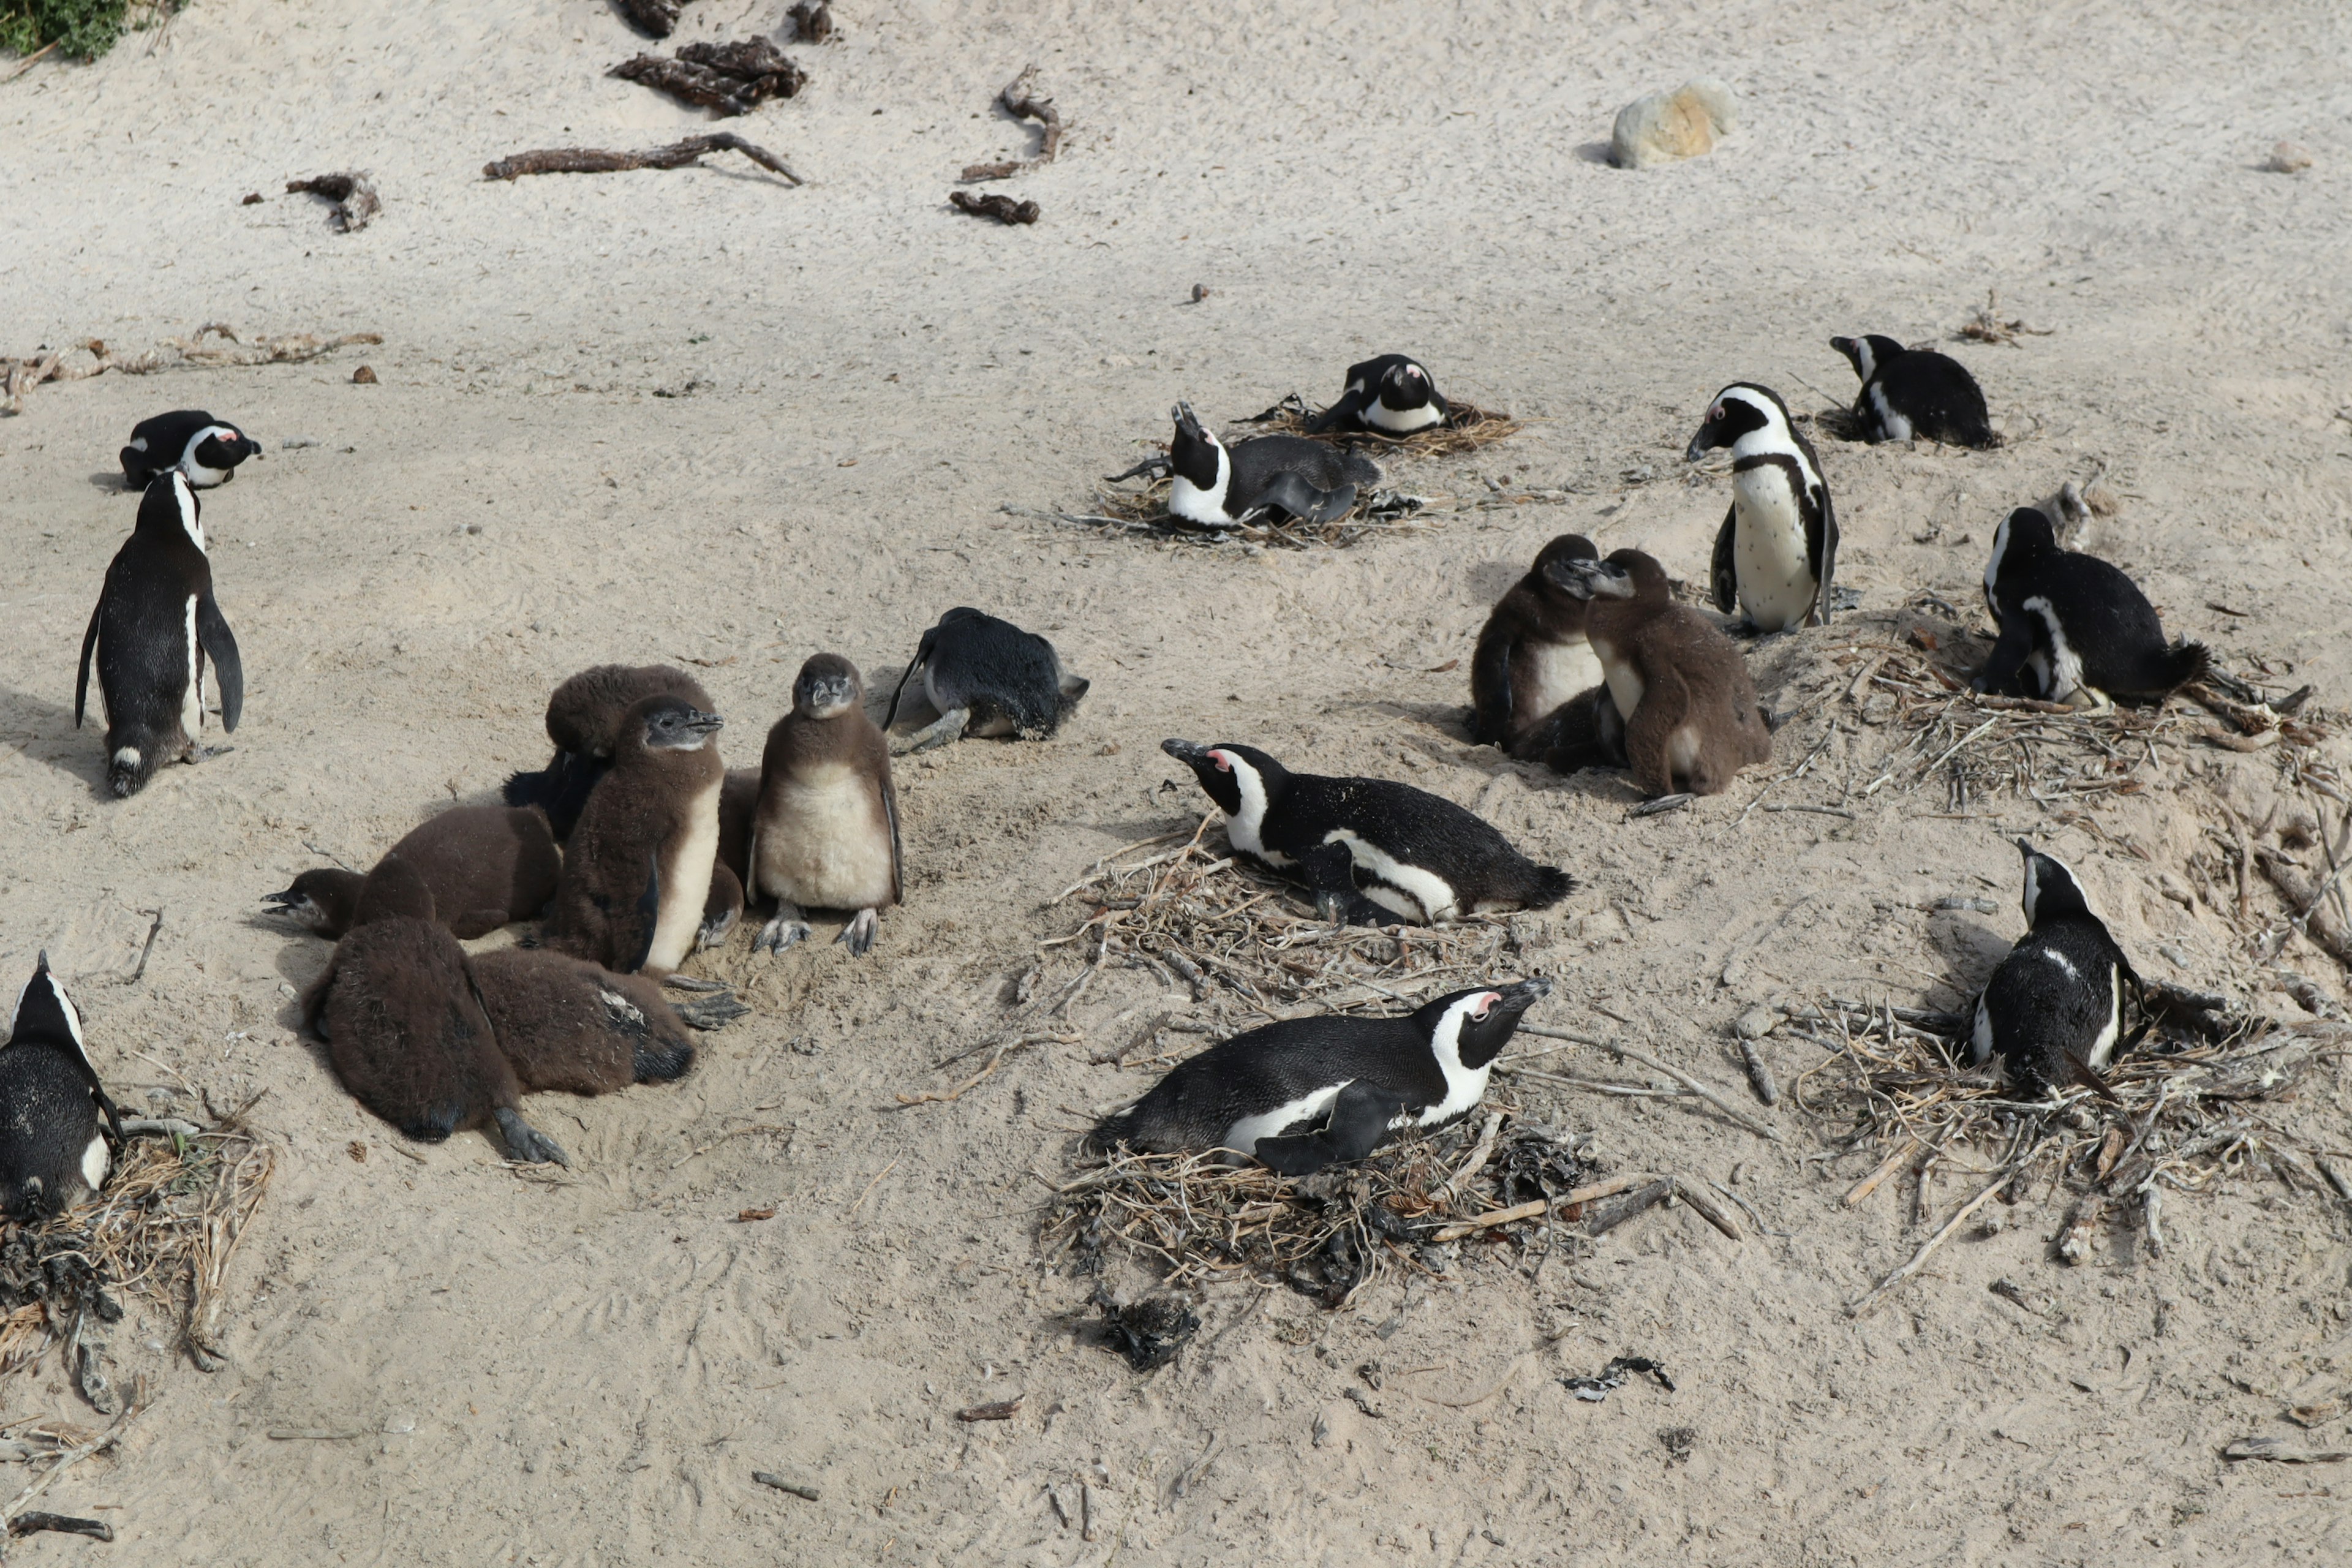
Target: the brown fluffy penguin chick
(585, 720)
(565, 1024)
(485, 866)
(636, 875)
(404, 1026)
(1689, 708)
(731, 872)
(825, 835)
(1533, 655)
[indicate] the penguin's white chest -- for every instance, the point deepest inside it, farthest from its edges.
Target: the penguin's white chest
(685, 882)
(824, 841)
(1559, 671)
(1776, 580)
(1624, 682)
(1194, 504)
(1401, 421)
(192, 698)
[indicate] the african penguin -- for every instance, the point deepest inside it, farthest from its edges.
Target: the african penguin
(485, 865)
(1222, 486)
(566, 1024)
(1305, 1093)
(155, 624)
(1916, 394)
(1688, 708)
(53, 1152)
(635, 887)
(2074, 628)
(1391, 396)
(1777, 551)
(1364, 845)
(1532, 655)
(985, 677)
(584, 719)
(2054, 1011)
(188, 439)
(825, 832)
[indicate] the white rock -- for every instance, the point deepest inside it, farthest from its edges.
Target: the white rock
(1665, 127)
(2286, 158)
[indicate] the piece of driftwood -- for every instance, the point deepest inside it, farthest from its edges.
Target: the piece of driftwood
(812, 21)
(20, 376)
(64, 1524)
(732, 78)
(1003, 209)
(1021, 100)
(353, 194)
(659, 17)
(798, 1489)
(598, 161)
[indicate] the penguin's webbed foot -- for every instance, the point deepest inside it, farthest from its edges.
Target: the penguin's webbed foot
(781, 932)
(708, 1012)
(206, 754)
(858, 934)
(688, 983)
(946, 727)
(1349, 908)
(526, 1143)
(713, 932)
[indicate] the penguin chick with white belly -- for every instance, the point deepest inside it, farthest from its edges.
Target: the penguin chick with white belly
(1224, 486)
(1309, 1092)
(1532, 655)
(53, 1152)
(1365, 846)
(987, 677)
(190, 440)
(637, 874)
(1777, 551)
(2074, 628)
(584, 720)
(825, 832)
(1916, 393)
(2054, 1011)
(1392, 396)
(155, 624)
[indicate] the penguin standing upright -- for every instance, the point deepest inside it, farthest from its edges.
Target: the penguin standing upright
(986, 677)
(1777, 551)
(52, 1151)
(1305, 1093)
(1391, 396)
(1224, 486)
(2054, 1011)
(204, 449)
(1362, 845)
(155, 624)
(2074, 628)
(1910, 394)
(584, 720)
(637, 873)
(1532, 653)
(486, 866)
(825, 832)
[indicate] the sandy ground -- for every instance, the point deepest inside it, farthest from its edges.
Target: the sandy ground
(587, 1370)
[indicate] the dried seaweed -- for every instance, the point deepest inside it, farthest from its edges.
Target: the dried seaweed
(1021, 101)
(659, 17)
(1003, 209)
(1986, 324)
(353, 194)
(1467, 428)
(733, 78)
(20, 376)
(812, 20)
(599, 160)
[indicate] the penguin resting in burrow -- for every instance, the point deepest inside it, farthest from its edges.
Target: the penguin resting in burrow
(53, 1152)
(204, 449)
(584, 720)
(2054, 1011)
(1532, 653)
(2074, 628)
(1777, 552)
(1365, 846)
(486, 866)
(1305, 1093)
(987, 677)
(155, 624)
(1224, 486)
(1909, 394)
(1391, 396)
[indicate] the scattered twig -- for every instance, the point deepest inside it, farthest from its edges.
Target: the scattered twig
(154, 925)
(996, 1410)
(1704, 1205)
(2278, 1450)
(20, 1505)
(872, 1185)
(1628, 1053)
(597, 161)
(29, 61)
(1021, 101)
(1640, 1202)
(1987, 325)
(353, 194)
(1927, 1248)
(798, 1489)
(1003, 209)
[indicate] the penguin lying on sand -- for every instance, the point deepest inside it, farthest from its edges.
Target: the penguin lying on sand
(566, 1024)
(1532, 655)
(53, 1154)
(988, 678)
(1222, 486)
(2074, 628)
(584, 720)
(2054, 1011)
(1391, 396)
(1916, 393)
(825, 833)
(190, 440)
(1309, 1092)
(1364, 845)
(1777, 551)
(484, 865)
(155, 624)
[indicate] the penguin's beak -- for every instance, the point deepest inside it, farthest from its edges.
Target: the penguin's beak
(1525, 994)
(2025, 847)
(1701, 444)
(704, 723)
(1186, 752)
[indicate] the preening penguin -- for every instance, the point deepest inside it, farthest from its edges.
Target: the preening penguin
(204, 449)
(1688, 708)
(566, 1024)
(1221, 485)
(2073, 627)
(635, 887)
(825, 833)
(2054, 1011)
(1777, 551)
(1532, 655)
(53, 1154)
(584, 720)
(1391, 396)
(155, 624)
(1308, 1092)
(986, 677)
(1364, 845)
(1916, 393)
(484, 865)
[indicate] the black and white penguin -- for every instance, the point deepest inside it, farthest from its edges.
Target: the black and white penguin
(155, 624)
(584, 720)
(1391, 396)
(2074, 628)
(635, 887)
(1777, 551)
(1363, 845)
(2054, 1011)
(191, 440)
(1222, 486)
(486, 866)
(986, 677)
(1308, 1092)
(1916, 394)
(825, 833)
(53, 1154)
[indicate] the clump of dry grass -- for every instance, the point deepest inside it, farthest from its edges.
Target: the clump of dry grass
(1467, 428)
(1144, 512)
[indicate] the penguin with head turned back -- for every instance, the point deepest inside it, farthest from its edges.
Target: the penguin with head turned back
(485, 865)
(1532, 655)
(584, 720)
(155, 624)
(2054, 1011)
(566, 1024)
(1777, 551)
(1909, 394)
(2074, 628)
(1392, 396)
(986, 677)
(53, 1152)
(1305, 1093)
(1224, 486)
(825, 832)
(188, 439)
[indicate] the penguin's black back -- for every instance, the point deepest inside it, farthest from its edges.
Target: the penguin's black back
(979, 661)
(140, 640)
(1197, 1102)
(1417, 828)
(1262, 460)
(1936, 394)
(2051, 999)
(2107, 621)
(48, 1119)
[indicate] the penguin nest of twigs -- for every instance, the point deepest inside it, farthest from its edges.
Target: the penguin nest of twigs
(160, 1232)
(1469, 428)
(1145, 512)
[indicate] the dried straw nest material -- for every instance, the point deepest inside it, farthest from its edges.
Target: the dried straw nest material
(1467, 428)
(733, 78)
(20, 376)
(1144, 512)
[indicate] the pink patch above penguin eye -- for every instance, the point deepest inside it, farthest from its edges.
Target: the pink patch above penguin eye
(1716, 411)
(1224, 764)
(1486, 1006)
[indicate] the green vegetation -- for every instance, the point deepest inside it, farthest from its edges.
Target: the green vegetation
(83, 28)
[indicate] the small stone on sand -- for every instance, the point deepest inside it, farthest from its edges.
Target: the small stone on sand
(2286, 158)
(1665, 127)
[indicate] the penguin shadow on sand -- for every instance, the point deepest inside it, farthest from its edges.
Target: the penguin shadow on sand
(1971, 943)
(112, 481)
(52, 738)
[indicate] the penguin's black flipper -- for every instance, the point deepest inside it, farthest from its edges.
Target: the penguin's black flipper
(1359, 1118)
(88, 647)
(1304, 502)
(1490, 673)
(1723, 575)
(1330, 872)
(648, 910)
(1347, 413)
(220, 645)
(1821, 549)
(2000, 673)
(922, 657)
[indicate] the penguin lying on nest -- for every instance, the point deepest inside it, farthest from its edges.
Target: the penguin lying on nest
(1911, 394)
(1392, 396)
(53, 1152)
(2054, 1011)
(1226, 486)
(2074, 628)
(987, 677)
